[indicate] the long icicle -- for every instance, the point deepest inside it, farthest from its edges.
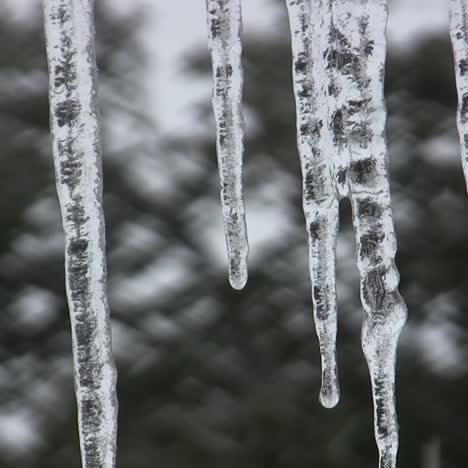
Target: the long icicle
(310, 25)
(69, 27)
(360, 36)
(459, 36)
(339, 58)
(224, 34)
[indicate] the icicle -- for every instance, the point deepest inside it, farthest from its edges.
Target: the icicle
(361, 45)
(224, 29)
(339, 58)
(310, 26)
(77, 156)
(459, 35)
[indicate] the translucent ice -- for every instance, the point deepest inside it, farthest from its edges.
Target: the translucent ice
(77, 156)
(310, 23)
(224, 30)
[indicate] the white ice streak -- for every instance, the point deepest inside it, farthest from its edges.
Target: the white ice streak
(77, 156)
(459, 36)
(339, 58)
(224, 37)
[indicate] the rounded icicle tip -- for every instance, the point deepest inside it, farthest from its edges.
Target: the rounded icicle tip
(329, 398)
(330, 390)
(238, 274)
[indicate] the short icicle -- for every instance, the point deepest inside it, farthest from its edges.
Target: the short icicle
(360, 34)
(69, 28)
(459, 36)
(310, 26)
(224, 37)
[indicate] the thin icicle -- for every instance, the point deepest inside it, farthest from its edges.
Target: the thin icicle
(360, 34)
(77, 157)
(459, 35)
(224, 31)
(310, 25)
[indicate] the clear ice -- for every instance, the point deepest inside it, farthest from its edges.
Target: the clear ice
(338, 69)
(69, 31)
(224, 38)
(309, 35)
(459, 36)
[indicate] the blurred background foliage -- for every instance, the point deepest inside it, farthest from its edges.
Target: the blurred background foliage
(209, 376)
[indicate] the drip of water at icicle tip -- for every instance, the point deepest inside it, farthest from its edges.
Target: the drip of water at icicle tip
(224, 40)
(310, 23)
(339, 53)
(69, 28)
(458, 11)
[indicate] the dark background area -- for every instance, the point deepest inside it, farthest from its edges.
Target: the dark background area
(208, 376)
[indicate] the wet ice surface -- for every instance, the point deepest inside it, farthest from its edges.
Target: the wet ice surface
(77, 158)
(459, 36)
(317, 154)
(224, 30)
(338, 68)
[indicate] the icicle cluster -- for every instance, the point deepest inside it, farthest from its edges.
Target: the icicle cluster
(459, 35)
(69, 30)
(224, 30)
(338, 69)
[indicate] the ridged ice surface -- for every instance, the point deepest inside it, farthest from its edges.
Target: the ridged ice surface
(338, 68)
(224, 31)
(459, 35)
(77, 157)
(310, 23)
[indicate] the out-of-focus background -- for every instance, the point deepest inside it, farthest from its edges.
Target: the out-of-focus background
(208, 376)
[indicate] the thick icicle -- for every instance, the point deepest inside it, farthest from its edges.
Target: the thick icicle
(224, 30)
(77, 156)
(360, 41)
(459, 35)
(339, 58)
(310, 22)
